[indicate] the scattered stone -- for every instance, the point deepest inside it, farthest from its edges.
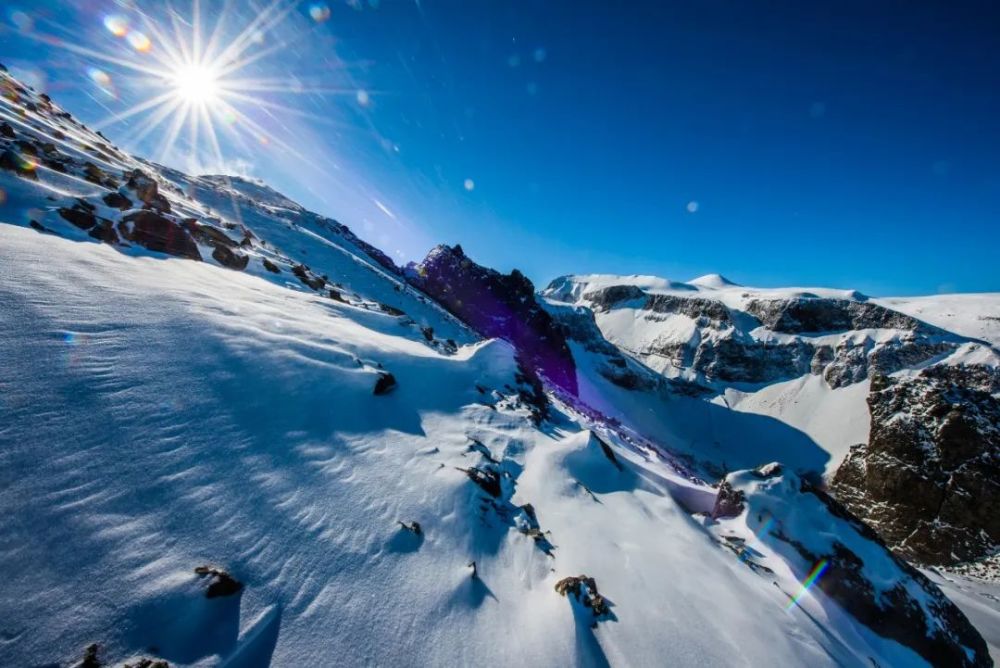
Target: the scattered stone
(79, 217)
(223, 584)
(486, 478)
(105, 231)
(12, 161)
(7, 130)
(412, 526)
(336, 296)
(227, 258)
(157, 233)
(118, 201)
(145, 662)
(584, 590)
(428, 333)
(147, 191)
(272, 267)
(302, 272)
(386, 383)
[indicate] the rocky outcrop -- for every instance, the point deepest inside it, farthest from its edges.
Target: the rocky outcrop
(820, 540)
(159, 233)
(497, 306)
(815, 315)
(928, 480)
(583, 589)
(220, 584)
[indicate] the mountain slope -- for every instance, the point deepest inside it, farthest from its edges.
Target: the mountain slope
(211, 462)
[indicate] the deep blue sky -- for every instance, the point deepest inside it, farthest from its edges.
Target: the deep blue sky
(849, 144)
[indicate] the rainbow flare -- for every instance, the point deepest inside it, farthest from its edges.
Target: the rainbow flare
(810, 580)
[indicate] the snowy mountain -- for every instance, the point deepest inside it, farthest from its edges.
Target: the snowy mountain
(904, 409)
(233, 433)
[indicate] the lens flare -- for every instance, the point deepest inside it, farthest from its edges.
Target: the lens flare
(810, 580)
(139, 42)
(319, 12)
(116, 25)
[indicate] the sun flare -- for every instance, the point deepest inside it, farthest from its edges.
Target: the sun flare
(196, 84)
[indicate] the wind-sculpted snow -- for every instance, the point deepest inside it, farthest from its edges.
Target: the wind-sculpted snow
(232, 434)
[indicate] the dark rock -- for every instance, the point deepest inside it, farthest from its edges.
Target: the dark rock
(117, 200)
(79, 217)
(146, 662)
(305, 276)
(105, 231)
(158, 233)
(90, 659)
(228, 258)
(413, 527)
(147, 190)
(271, 267)
(391, 310)
(6, 130)
(222, 584)
(498, 306)
(336, 296)
(728, 502)
(385, 384)
(804, 315)
(486, 477)
(207, 234)
(584, 590)
(12, 161)
(928, 480)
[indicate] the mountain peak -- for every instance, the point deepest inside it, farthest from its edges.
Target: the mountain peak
(713, 281)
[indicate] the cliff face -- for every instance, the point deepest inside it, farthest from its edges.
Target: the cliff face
(928, 480)
(497, 306)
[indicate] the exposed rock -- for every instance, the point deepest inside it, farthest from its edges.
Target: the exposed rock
(412, 527)
(158, 233)
(222, 584)
(12, 161)
(6, 130)
(497, 306)
(90, 659)
(584, 590)
(229, 258)
(805, 315)
(728, 502)
(486, 477)
(385, 384)
(304, 275)
(208, 234)
(79, 217)
(117, 200)
(810, 530)
(270, 266)
(148, 191)
(145, 662)
(335, 295)
(105, 231)
(928, 480)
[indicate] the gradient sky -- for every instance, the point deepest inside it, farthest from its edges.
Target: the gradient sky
(848, 144)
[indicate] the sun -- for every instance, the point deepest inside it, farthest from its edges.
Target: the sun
(196, 84)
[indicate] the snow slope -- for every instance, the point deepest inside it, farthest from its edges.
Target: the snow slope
(161, 413)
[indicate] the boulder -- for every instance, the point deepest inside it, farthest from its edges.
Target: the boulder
(158, 233)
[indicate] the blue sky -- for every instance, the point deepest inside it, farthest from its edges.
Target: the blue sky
(850, 144)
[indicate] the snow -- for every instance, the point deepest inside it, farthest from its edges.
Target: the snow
(159, 414)
(975, 315)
